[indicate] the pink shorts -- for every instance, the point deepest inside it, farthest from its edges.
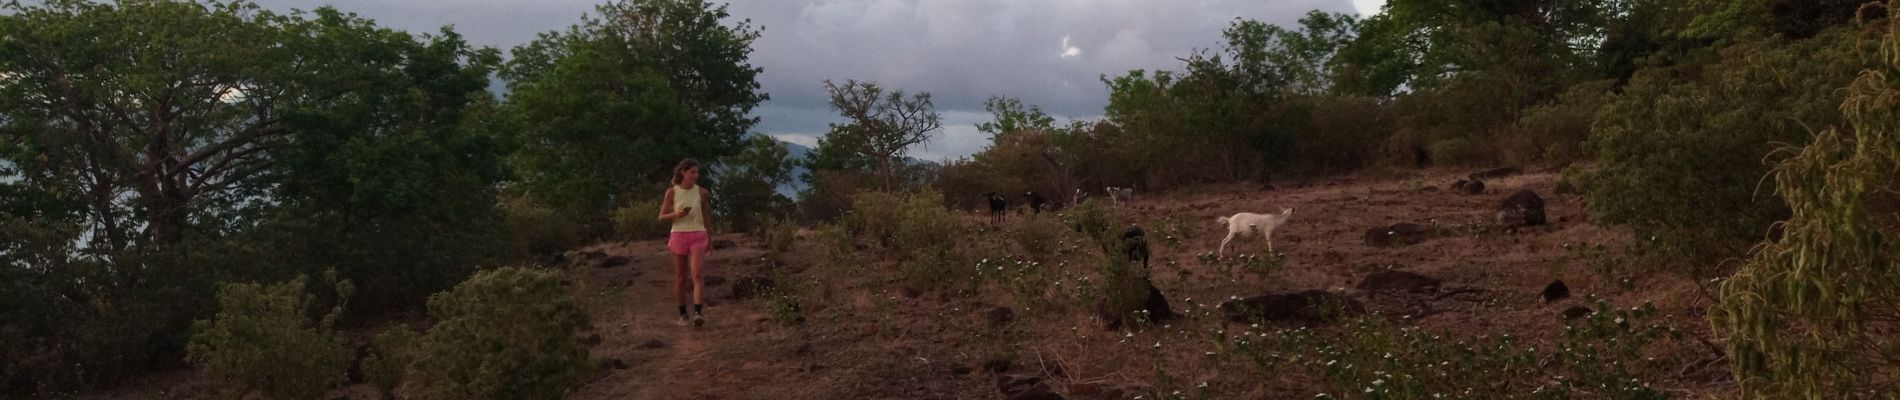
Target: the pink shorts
(683, 243)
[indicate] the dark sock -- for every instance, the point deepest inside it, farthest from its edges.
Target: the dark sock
(682, 310)
(699, 309)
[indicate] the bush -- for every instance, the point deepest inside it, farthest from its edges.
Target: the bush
(1556, 131)
(1037, 236)
(391, 353)
(262, 341)
(1342, 134)
(539, 229)
(1680, 154)
(507, 333)
(875, 215)
(1811, 314)
(640, 220)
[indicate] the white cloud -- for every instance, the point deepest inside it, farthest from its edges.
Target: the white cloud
(1067, 50)
(807, 140)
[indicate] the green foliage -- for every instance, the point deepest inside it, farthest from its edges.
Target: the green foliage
(615, 101)
(538, 229)
(1010, 117)
(640, 220)
(1556, 130)
(391, 352)
(881, 129)
(1601, 356)
(506, 333)
(1037, 236)
(1810, 315)
(1681, 152)
(215, 141)
(262, 340)
(747, 194)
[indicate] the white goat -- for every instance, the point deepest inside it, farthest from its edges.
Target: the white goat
(1121, 195)
(1243, 223)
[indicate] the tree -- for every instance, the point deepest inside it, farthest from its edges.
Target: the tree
(194, 142)
(748, 191)
(882, 126)
(609, 106)
(1010, 116)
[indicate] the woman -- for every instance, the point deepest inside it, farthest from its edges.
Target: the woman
(685, 206)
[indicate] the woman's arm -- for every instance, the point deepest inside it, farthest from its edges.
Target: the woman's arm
(666, 208)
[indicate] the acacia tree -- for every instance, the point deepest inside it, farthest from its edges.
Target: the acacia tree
(607, 107)
(194, 141)
(882, 126)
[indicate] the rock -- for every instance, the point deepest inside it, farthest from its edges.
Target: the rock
(1399, 281)
(999, 316)
(910, 292)
(1459, 186)
(1575, 312)
(614, 363)
(1556, 290)
(713, 280)
(652, 344)
(960, 370)
(1400, 234)
(1524, 208)
(592, 340)
(614, 261)
(1309, 307)
(590, 255)
(1157, 304)
(1473, 187)
(1024, 387)
(723, 244)
(750, 287)
(1495, 173)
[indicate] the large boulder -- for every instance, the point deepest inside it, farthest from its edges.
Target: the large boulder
(1524, 208)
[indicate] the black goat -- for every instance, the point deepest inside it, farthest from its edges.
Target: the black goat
(1035, 202)
(996, 207)
(1135, 244)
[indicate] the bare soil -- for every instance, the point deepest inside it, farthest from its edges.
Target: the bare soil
(863, 337)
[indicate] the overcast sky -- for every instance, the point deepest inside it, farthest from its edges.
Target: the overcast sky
(1049, 53)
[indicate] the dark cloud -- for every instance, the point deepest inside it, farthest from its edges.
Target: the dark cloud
(1049, 53)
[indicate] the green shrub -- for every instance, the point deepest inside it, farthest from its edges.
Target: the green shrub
(640, 220)
(262, 340)
(923, 221)
(539, 229)
(1556, 131)
(875, 215)
(1098, 222)
(391, 352)
(1812, 314)
(1037, 236)
(1342, 134)
(507, 333)
(1682, 152)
